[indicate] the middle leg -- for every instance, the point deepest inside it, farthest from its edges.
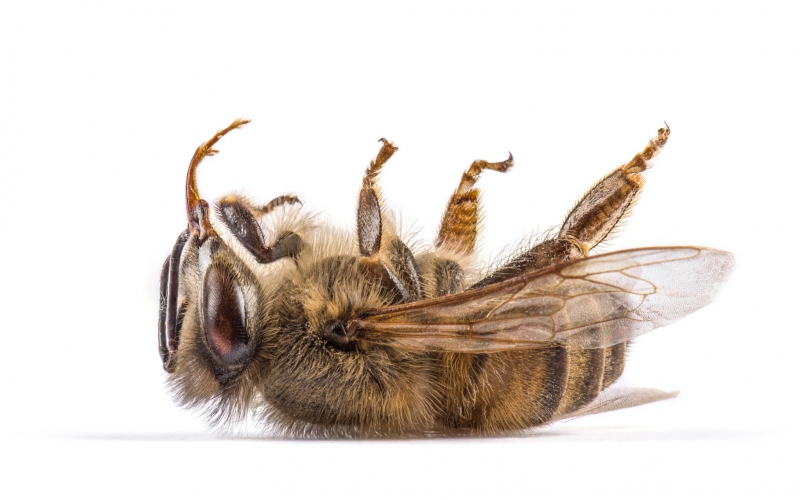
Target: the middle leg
(387, 259)
(443, 269)
(458, 230)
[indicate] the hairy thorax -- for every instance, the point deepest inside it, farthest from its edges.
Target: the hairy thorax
(356, 388)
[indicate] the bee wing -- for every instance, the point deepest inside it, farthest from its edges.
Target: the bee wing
(618, 398)
(591, 303)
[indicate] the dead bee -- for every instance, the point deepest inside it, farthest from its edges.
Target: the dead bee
(316, 332)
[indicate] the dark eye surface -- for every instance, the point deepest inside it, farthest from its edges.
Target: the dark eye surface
(225, 317)
(168, 329)
(163, 349)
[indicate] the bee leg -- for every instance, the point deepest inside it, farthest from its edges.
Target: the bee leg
(287, 199)
(369, 221)
(238, 218)
(594, 217)
(458, 231)
(591, 221)
(459, 227)
(196, 207)
(401, 277)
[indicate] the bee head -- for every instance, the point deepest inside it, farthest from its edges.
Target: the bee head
(211, 314)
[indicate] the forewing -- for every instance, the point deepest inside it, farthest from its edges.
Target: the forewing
(591, 303)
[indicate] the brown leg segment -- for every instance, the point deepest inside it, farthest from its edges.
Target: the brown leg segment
(591, 221)
(595, 216)
(400, 277)
(196, 207)
(405, 267)
(369, 220)
(440, 276)
(286, 199)
(238, 217)
(459, 228)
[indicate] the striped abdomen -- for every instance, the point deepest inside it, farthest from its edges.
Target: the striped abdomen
(526, 388)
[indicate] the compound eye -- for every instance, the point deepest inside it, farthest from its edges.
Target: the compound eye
(225, 320)
(168, 313)
(163, 347)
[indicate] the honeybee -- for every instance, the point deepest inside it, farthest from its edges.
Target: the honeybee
(266, 311)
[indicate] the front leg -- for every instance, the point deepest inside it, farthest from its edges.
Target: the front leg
(197, 207)
(237, 215)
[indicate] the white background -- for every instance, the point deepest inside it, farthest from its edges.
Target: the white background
(103, 104)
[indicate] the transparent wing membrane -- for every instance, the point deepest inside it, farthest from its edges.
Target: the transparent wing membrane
(596, 302)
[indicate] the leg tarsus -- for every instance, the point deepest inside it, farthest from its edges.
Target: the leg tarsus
(205, 149)
(287, 199)
(459, 227)
(386, 152)
(596, 215)
(639, 162)
(368, 217)
(472, 174)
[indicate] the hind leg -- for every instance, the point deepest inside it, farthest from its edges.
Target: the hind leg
(592, 220)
